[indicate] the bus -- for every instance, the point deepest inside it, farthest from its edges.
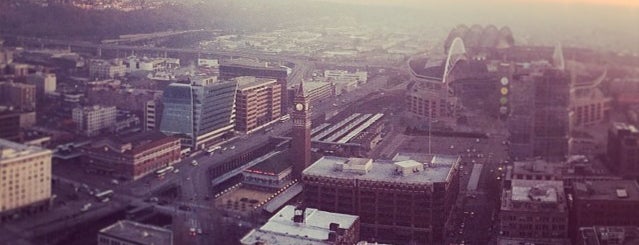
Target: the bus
(161, 172)
(212, 150)
(104, 196)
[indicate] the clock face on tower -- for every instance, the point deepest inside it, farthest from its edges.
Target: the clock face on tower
(299, 106)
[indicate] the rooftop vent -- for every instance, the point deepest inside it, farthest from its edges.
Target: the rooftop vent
(622, 193)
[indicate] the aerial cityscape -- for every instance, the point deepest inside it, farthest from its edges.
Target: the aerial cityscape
(312, 122)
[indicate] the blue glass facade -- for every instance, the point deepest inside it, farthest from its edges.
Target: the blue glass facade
(199, 114)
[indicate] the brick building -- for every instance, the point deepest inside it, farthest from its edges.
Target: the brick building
(132, 157)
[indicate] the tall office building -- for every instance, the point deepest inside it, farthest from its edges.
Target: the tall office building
(623, 150)
(301, 142)
(551, 117)
(45, 83)
(25, 184)
(18, 95)
(257, 102)
(239, 68)
(91, 120)
(540, 117)
(152, 114)
(200, 114)
(404, 201)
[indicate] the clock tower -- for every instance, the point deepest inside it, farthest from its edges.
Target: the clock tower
(301, 143)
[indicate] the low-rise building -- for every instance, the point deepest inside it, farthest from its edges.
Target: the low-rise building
(25, 183)
(389, 196)
(293, 225)
(608, 235)
(132, 157)
(535, 209)
(273, 173)
(91, 120)
(103, 69)
(134, 63)
(126, 232)
(341, 75)
(13, 122)
(623, 149)
(318, 91)
(605, 203)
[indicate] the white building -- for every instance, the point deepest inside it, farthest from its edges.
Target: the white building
(134, 63)
(310, 226)
(106, 69)
(341, 75)
(90, 120)
(25, 179)
(213, 63)
(125, 232)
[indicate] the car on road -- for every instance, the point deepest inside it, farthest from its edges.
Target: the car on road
(86, 207)
(199, 230)
(153, 199)
(184, 208)
(232, 147)
(115, 181)
(194, 163)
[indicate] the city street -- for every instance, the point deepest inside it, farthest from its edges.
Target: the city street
(195, 190)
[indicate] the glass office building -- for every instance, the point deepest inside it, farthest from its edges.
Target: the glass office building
(199, 114)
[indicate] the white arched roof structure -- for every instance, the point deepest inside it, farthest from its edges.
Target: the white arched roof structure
(456, 53)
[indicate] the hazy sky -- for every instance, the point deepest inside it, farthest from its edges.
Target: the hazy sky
(626, 3)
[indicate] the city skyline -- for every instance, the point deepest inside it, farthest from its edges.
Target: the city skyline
(333, 122)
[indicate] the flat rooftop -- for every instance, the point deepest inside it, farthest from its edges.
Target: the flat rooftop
(539, 196)
(273, 165)
(242, 200)
(281, 229)
(437, 168)
(248, 81)
(622, 190)
(604, 235)
(10, 150)
(536, 167)
(139, 233)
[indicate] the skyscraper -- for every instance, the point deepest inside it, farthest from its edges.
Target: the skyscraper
(301, 143)
(199, 113)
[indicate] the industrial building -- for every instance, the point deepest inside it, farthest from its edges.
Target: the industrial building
(354, 135)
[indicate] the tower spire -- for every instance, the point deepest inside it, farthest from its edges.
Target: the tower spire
(300, 89)
(558, 57)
